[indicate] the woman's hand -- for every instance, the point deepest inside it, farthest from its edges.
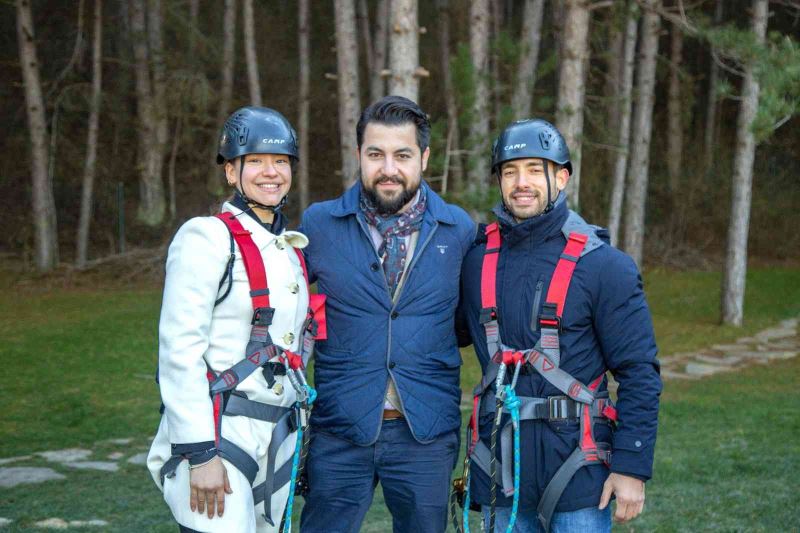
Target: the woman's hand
(208, 485)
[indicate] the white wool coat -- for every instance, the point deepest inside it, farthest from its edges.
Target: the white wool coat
(193, 333)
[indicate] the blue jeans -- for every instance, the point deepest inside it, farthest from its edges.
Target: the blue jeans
(415, 479)
(587, 520)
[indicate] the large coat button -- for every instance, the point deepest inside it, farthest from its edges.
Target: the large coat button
(288, 338)
(294, 288)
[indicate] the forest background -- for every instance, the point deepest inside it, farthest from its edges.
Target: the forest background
(670, 108)
(682, 120)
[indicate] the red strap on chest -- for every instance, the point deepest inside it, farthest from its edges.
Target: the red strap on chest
(559, 284)
(253, 262)
(489, 269)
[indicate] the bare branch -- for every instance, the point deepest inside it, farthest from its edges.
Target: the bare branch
(781, 122)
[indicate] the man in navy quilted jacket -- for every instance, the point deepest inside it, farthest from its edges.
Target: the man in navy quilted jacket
(550, 307)
(387, 254)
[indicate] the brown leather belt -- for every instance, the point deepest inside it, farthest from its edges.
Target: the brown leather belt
(392, 414)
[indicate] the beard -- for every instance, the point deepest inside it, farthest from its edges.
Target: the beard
(390, 205)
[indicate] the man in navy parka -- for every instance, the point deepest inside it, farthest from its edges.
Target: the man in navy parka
(606, 325)
(387, 254)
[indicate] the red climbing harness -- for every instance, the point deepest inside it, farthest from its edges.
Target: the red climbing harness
(580, 401)
(260, 354)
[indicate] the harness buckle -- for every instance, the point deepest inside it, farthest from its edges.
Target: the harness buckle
(549, 318)
(559, 408)
(262, 316)
(487, 314)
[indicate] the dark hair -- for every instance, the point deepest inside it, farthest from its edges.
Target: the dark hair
(394, 111)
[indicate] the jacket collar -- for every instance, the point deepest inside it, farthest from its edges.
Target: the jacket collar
(348, 204)
(538, 228)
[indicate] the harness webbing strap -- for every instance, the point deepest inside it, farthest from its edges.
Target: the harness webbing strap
(239, 406)
(280, 478)
(559, 284)
(489, 269)
(251, 256)
(238, 458)
(283, 428)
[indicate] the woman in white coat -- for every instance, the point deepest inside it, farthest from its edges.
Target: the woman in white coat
(227, 469)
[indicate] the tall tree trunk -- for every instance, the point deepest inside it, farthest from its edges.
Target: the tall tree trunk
(735, 274)
(362, 14)
(711, 102)
(214, 184)
(250, 52)
(347, 81)
(613, 81)
(674, 113)
(159, 78)
(87, 191)
(44, 206)
(304, 48)
(194, 26)
(151, 184)
(455, 168)
(636, 195)
(572, 88)
(496, 10)
(404, 49)
(479, 123)
(528, 59)
(624, 133)
(377, 85)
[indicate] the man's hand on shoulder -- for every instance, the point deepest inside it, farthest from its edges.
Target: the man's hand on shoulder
(630, 496)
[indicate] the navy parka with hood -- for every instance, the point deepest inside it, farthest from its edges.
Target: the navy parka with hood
(606, 326)
(370, 338)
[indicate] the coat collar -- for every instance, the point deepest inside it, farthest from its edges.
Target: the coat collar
(348, 204)
(538, 228)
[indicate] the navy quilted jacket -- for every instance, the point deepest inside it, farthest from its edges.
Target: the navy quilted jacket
(606, 326)
(370, 338)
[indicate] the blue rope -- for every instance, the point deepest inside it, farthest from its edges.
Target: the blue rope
(512, 404)
(312, 395)
(465, 516)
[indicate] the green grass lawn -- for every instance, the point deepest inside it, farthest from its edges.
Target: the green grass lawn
(79, 365)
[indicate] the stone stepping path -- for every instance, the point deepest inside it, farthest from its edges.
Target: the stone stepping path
(778, 342)
(60, 464)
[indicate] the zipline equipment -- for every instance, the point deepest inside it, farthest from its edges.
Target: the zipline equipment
(261, 353)
(579, 401)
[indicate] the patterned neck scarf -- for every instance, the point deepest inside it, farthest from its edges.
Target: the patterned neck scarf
(394, 229)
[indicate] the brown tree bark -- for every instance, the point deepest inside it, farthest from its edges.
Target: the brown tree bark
(636, 194)
(455, 168)
(87, 190)
(44, 208)
(674, 112)
(304, 48)
(404, 49)
(362, 14)
(251, 57)
(479, 126)
(347, 81)
(528, 59)
(711, 103)
(572, 88)
(149, 152)
(624, 123)
(734, 277)
(496, 87)
(377, 85)
(215, 183)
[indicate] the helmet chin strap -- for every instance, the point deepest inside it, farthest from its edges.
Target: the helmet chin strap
(250, 202)
(550, 202)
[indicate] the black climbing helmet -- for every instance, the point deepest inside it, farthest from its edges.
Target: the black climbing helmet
(530, 138)
(256, 130)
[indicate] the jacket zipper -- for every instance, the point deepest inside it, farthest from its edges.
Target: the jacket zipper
(536, 301)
